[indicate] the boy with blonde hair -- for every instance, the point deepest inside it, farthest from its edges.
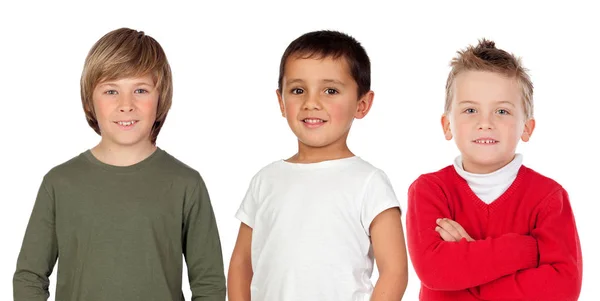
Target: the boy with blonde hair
(118, 217)
(311, 225)
(487, 227)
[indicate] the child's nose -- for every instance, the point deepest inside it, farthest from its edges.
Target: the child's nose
(311, 102)
(485, 123)
(126, 104)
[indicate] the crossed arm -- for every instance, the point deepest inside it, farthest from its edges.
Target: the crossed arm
(545, 265)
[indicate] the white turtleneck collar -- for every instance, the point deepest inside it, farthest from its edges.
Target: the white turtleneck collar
(488, 187)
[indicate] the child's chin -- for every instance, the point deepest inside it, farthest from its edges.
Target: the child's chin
(130, 141)
(488, 161)
(315, 143)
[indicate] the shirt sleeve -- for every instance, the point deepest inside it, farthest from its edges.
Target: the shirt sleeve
(247, 211)
(202, 247)
(452, 266)
(39, 251)
(558, 276)
(378, 196)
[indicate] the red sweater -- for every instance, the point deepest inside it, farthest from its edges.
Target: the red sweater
(526, 243)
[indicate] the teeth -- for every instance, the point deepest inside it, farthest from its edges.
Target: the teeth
(313, 120)
(486, 141)
(126, 123)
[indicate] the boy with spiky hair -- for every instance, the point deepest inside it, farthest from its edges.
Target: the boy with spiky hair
(487, 227)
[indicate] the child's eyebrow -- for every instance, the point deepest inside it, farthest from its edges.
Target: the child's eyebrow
(144, 83)
(506, 102)
(109, 84)
(326, 81)
(470, 102)
(333, 81)
(294, 81)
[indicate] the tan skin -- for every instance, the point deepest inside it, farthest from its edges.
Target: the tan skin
(240, 271)
(323, 88)
(387, 237)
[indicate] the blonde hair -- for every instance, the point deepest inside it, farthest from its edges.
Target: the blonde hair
(486, 57)
(126, 53)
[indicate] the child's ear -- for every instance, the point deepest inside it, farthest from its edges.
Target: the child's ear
(281, 104)
(446, 127)
(528, 130)
(364, 105)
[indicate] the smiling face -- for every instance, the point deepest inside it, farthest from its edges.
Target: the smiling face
(486, 119)
(319, 99)
(126, 110)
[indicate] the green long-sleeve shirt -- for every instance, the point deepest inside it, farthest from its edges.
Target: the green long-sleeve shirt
(119, 234)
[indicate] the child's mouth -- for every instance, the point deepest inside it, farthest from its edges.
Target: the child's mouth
(313, 122)
(126, 124)
(485, 141)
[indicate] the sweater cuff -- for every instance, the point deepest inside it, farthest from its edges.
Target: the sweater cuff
(518, 252)
(210, 298)
(530, 253)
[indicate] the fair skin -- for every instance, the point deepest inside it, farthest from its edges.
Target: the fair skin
(486, 120)
(319, 99)
(126, 110)
(450, 230)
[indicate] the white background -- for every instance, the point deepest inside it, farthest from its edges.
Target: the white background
(225, 120)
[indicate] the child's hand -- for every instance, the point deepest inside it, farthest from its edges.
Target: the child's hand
(450, 230)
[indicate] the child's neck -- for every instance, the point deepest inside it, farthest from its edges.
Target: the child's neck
(120, 155)
(309, 154)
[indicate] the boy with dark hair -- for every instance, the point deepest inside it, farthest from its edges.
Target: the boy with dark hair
(311, 225)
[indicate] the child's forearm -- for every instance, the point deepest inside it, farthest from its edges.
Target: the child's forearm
(29, 286)
(439, 263)
(39, 252)
(547, 282)
(203, 254)
(238, 283)
(390, 287)
(558, 276)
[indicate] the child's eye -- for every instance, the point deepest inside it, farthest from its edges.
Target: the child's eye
(140, 91)
(297, 91)
(331, 91)
(470, 111)
(111, 92)
(503, 112)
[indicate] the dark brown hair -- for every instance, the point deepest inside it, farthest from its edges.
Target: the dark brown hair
(334, 44)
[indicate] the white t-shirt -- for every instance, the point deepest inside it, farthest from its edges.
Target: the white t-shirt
(310, 222)
(489, 187)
